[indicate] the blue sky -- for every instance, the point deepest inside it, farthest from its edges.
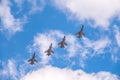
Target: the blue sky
(30, 26)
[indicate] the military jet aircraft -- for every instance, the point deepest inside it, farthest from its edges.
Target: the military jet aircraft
(80, 33)
(49, 51)
(32, 60)
(62, 43)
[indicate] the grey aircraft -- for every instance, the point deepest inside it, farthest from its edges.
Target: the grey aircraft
(80, 33)
(62, 43)
(32, 60)
(49, 51)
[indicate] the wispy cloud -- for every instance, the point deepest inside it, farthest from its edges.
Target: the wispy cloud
(97, 13)
(87, 48)
(33, 6)
(73, 45)
(9, 70)
(117, 35)
(115, 46)
(97, 46)
(36, 5)
(54, 73)
(12, 69)
(19, 3)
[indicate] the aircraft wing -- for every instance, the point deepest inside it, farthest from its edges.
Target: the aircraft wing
(46, 51)
(59, 43)
(29, 60)
(65, 43)
(36, 60)
(52, 51)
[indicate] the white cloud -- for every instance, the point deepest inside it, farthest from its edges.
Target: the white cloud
(54, 73)
(9, 23)
(97, 13)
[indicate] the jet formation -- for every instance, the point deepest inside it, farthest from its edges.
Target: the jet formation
(32, 60)
(61, 44)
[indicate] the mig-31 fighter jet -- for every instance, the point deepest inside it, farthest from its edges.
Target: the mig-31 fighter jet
(62, 43)
(80, 33)
(32, 60)
(49, 51)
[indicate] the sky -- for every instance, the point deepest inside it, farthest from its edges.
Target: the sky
(28, 26)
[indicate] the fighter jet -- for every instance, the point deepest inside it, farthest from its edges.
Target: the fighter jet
(80, 33)
(49, 51)
(32, 60)
(62, 43)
